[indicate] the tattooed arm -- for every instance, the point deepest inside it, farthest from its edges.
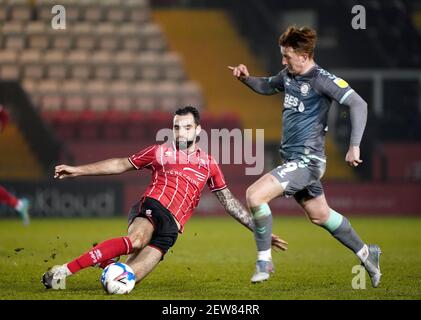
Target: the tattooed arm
(234, 208)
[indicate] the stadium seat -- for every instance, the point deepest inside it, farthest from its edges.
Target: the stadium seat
(8, 57)
(114, 125)
(54, 56)
(125, 69)
(77, 56)
(20, 11)
(135, 129)
(89, 125)
(66, 124)
(148, 64)
(98, 98)
(154, 37)
(78, 63)
(8, 65)
(85, 41)
(4, 12)
(172, 66)
(107, 35)
(50, 97)
(9, 72)
(145, 97)
(81, 71)
(29, 61)
(92, 11)
(59, 41)
(13, 36)
(73, 10)
(30, 86)
(131, 37)
(191, 94)
(36, 32)
(103, 66)
(168, 95)
(56, 71)
(138, 10)
(120, 94)
(74, 95)
(43, 9)
(114, 12)
(155, 121)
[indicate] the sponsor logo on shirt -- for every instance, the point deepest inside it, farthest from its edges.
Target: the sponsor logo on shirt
(185, 176)
(305, 89)
(203, 164)
(200, 176)
(341, 83)
(294, 103)
(328, 74)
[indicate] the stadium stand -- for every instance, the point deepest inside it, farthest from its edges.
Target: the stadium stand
(105, 84)
(57, 67)
(112, 78)
(17, 161)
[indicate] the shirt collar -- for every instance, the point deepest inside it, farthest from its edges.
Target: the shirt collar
(197, 150)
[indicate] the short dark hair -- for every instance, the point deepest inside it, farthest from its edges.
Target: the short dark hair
(189, 109)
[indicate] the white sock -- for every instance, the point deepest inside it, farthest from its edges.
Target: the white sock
(66, 270)
(19, 205)
(363, 253)
(264, 255)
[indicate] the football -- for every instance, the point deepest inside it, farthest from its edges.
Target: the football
(118, 278)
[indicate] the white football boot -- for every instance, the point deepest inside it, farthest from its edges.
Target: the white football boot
(55, 278)
(263, 270)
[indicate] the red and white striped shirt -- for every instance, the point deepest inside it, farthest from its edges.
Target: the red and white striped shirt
(178, 178)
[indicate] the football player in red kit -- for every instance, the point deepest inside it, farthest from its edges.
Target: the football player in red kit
(180, 171)
(21, 205)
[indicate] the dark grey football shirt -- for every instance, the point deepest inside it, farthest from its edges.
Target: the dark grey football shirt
(306, 104)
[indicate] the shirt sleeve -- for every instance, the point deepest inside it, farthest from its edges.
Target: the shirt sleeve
(333, 87)
(266, 85)
(216, 180)
(277, 82)
(144, 157)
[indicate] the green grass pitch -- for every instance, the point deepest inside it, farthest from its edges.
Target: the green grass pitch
(214, 259)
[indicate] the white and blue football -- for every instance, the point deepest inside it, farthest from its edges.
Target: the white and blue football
(118, 278)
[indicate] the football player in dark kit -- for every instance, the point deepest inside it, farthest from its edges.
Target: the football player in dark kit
(308, 93)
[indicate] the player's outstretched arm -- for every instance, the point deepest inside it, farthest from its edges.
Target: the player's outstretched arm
(105, 167)
(258, 84)
(234, 208)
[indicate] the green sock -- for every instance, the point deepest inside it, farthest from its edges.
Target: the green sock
(340, 228)
(262, 218)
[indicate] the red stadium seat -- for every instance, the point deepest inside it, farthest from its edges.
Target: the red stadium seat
(66, 124)
(89, 125)
(114, 125)
(135, 125)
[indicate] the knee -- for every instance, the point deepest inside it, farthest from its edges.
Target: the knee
(253, 200)
(138, 240)
(320, 219)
